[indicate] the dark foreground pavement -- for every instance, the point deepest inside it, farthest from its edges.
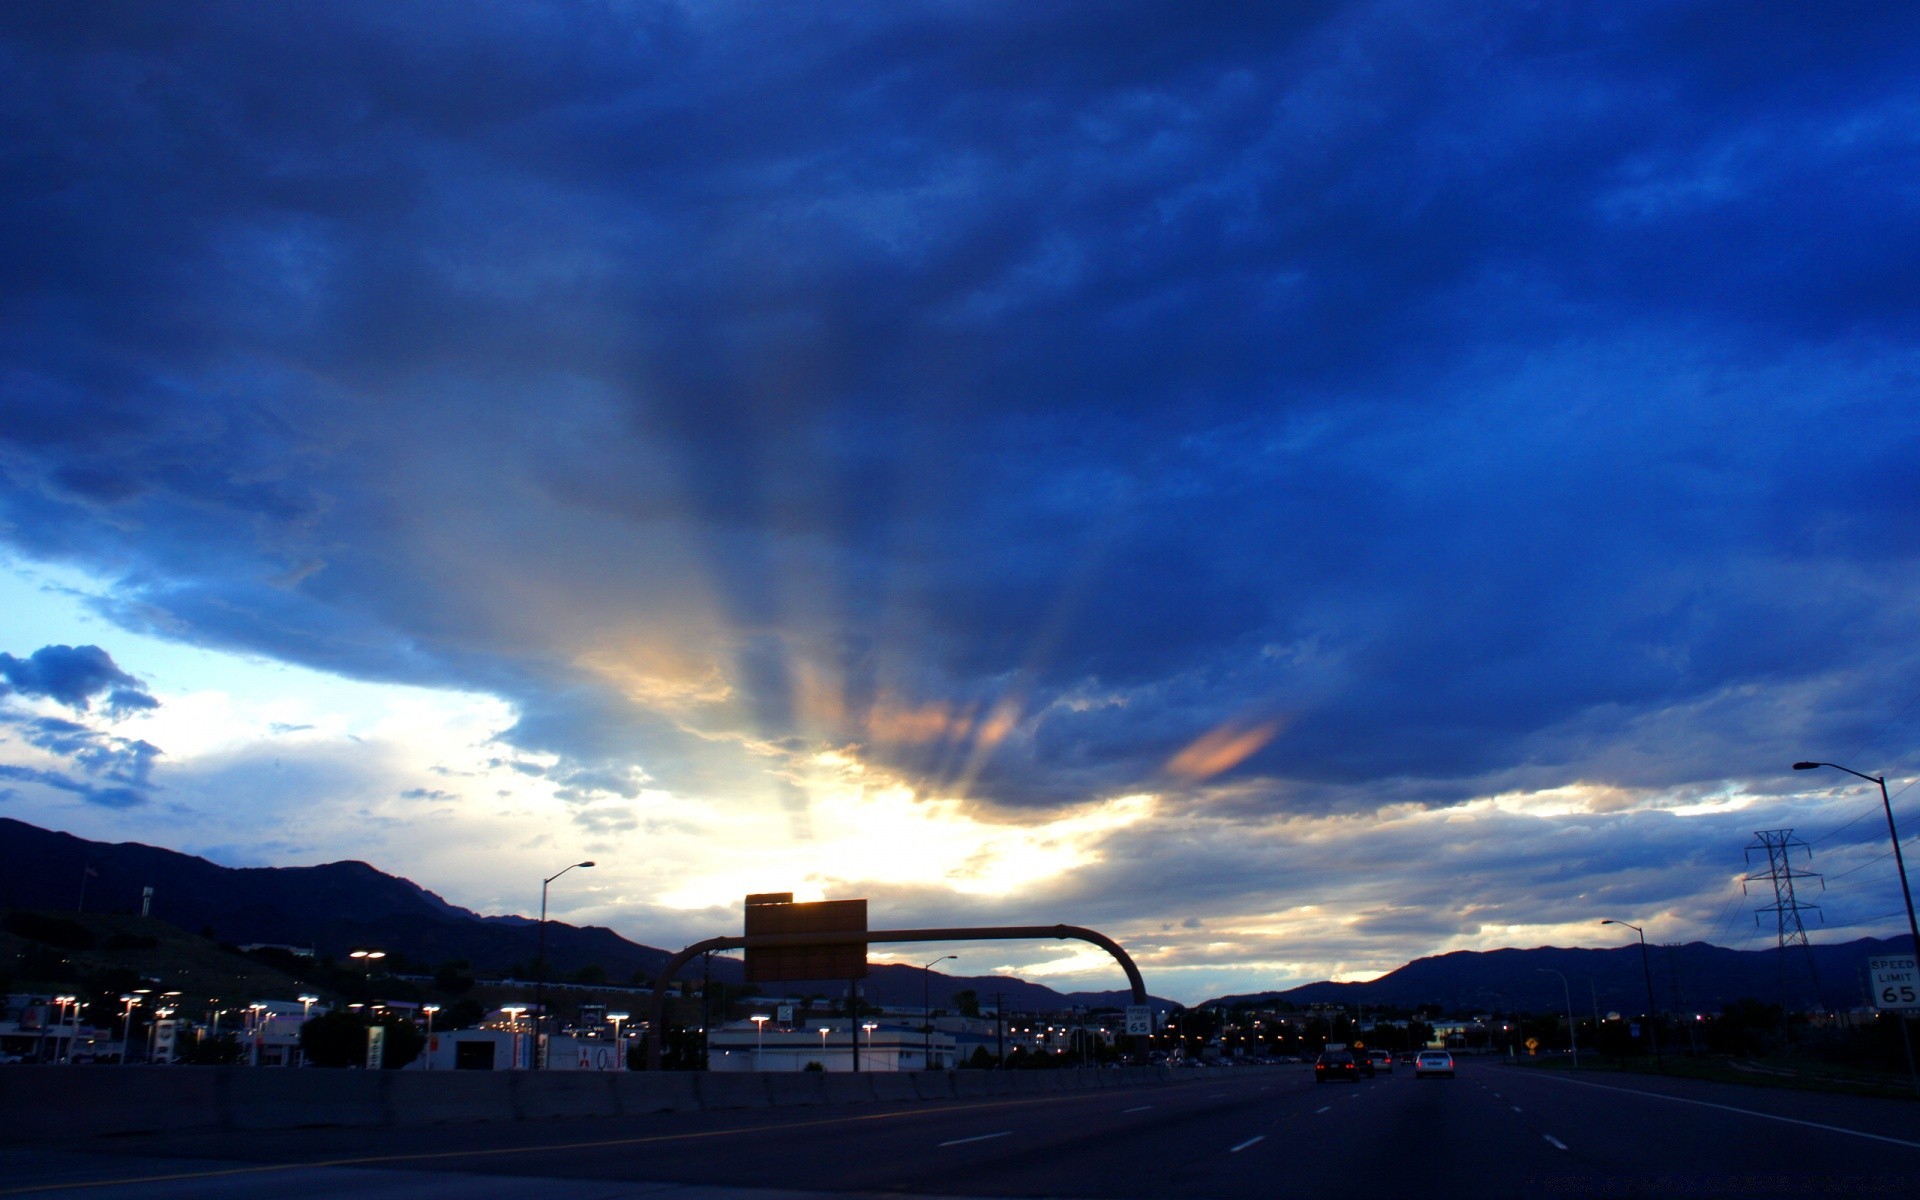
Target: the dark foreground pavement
(1492, 1132)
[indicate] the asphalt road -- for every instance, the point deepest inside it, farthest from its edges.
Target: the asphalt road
(1493, 1131)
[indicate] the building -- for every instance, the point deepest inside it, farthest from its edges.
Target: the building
(885, 1046)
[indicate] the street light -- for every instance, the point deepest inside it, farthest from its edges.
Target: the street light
(869, 1026)
(63, 1001)
(540, 980)
(1573, 1039)
(1653, 1013)
(126, 1030)
(307, 1001)
(367, 959)
(618, 1045)
(1899, 860)
(823, 1046)
(926, 1008)
(1900, 865)
(759, 1037)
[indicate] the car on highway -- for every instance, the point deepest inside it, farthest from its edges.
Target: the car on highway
(1339, 1063)
(1433, 1062)
(1381, 1060)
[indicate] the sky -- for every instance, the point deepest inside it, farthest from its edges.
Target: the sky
(1295, 488)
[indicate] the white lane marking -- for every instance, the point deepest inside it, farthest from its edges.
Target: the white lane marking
(1745, 1112)
(1557, 1143)
(1328, 1108)
(1256, 1138)
(985, 1137)
(1514, 1107)
(1142, 1108)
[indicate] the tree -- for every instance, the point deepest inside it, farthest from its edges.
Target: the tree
(335, 1039)
(461, 1014)
(454, 977)
(967, 1001)
(339, 1039)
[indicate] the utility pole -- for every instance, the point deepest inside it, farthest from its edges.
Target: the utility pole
(1790, 930)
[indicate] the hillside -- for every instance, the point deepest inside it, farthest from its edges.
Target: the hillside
(335, 907)
(1691, 976)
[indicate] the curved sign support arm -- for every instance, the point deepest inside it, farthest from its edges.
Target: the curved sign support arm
(1045, 933)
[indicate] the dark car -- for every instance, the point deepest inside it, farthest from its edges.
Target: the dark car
(1339, 1064)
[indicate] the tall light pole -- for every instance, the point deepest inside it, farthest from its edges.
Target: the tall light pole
(1900, 864)
(1653, 1011)
(869, 1026)
(367, 959)
(126, 1028)
(307, 1001)
(926, 1008)
(1899, 860)
(759, 1038)
(540, 979)
(619, 1047)
(1573, 1039)
(63, 1001)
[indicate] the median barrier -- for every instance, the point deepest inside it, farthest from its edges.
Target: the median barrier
(850, 1088)
(42, 1102)
(641, 1092)
(972, 1085)
(796, 1089)
(290, 1098)
(544, 1095)
(52, 1103)
(447, 1097)
(732, 1089)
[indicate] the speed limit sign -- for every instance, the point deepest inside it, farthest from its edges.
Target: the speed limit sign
(1896, 981)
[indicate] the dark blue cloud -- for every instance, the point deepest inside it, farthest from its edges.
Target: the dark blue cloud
(1471, 392)
(75, 676)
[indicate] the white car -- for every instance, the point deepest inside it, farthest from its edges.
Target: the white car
(1433, 1062)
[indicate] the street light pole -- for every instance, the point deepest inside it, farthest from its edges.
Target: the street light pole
(759, 1039)
(1653, 1011)
(1899, 860)
(926, 1009)
(1900, 865)
(540, 977)
(1573, 1038)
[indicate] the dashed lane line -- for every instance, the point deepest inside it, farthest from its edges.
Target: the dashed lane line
(1318, 1111)
(1514, 1107)
(985, 1137)
(1141, 1108)
(1254, 1140)
(1745, 1112)
(1555, 1142)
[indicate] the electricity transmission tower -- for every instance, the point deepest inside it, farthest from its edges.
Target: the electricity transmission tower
(1779, 845)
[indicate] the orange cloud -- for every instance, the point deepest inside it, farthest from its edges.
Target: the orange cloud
(1221, 749)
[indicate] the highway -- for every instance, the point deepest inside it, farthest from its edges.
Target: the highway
(1493, 1131)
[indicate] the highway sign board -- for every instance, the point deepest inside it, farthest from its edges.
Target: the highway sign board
(1896, 981)
(1139, 1019)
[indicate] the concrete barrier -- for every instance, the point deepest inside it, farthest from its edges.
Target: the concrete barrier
(43, 1104)
(849, 1089)
(544, 1095)
(656, 1091)
(796, 1089)
(726, 1089)
(285, 1098)
(446, 1097)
